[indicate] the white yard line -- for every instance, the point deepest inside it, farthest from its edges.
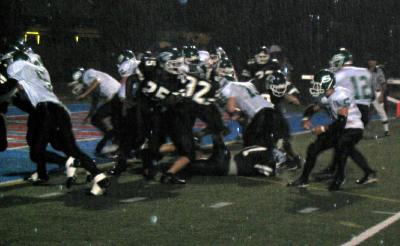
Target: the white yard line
(47, 195)
(221, 204)
(373, 230)
(133, 199)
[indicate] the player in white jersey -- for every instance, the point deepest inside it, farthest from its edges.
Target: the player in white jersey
(101, 87)
(50, 120)
(356, 79)
(342, 134)
(242, 96)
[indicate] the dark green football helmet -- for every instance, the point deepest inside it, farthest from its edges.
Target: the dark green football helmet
(276, 82)
(171, 61)
(225, 68)
(323, 81)
(126, 55)
(191, 54)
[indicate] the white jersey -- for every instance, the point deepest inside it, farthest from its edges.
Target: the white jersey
(35, 80)
(342, 97)
(108, 85)
(247, 97)
(358, 81)
(126, 69)
(35, 59)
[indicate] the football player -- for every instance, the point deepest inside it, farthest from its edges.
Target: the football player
(358, 81)
(379, 85)
(99, 85)
(260, 66)
(342, 134)
(276, 89)
(242, 97)
(49, 120)
(19, 98)
(165, 114)
(250, 161)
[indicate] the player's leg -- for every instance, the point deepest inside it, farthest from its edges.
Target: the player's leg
(382, 113)
(71, 148)
(323, 142)
(180, 132)
(40, 125)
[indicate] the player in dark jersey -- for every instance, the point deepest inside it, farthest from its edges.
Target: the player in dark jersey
(202, 93)
(165, 114)
(259, 67)
(276, 89)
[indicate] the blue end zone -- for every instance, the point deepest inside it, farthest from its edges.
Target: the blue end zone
(15, 163)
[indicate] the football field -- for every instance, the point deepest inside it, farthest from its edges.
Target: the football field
(213, 210)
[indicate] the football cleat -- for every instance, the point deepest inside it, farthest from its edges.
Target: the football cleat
(367, 179)
(100, 184)
(300, 183)
(35, 179)
(335, 185)
(170, 178)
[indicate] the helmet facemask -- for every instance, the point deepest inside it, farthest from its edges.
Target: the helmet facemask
(278, 90)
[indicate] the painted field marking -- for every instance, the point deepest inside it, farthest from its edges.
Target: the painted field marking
(373, 230)
(307, 210)
(221, 204)
(133, 199)
(350, 224)
(383, 212)
(47, 195)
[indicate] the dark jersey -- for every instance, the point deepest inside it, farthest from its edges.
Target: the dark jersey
(253, 70)
(197, 87)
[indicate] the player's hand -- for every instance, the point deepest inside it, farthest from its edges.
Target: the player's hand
(318, 130)
(306, 124)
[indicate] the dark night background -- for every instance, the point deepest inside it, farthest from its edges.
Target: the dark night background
(309, 31)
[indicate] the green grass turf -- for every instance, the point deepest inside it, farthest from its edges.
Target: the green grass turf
(263, 211)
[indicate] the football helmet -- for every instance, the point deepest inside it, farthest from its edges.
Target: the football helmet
(323, 81)
(171, 61)
(126, 55)
(276, 82)
(342, 57)
(262, 56)
(225, 68)
(78, 74)
(77, 86)
(191, 54)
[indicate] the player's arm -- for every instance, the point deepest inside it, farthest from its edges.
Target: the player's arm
(382, 84)
(89, 90)
(292, 99)
(93, 106)
(336, 126)
(290, 95)
(308, 113)
(231, 108)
